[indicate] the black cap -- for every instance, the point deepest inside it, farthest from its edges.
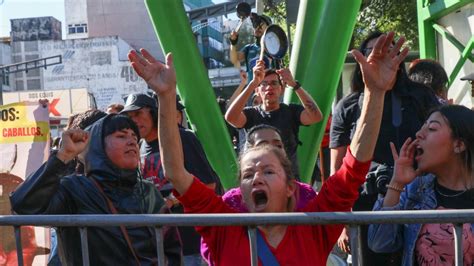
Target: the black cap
(258, 19)
(468, 77)
(137, 101)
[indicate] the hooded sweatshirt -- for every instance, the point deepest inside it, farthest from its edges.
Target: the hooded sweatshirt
(48, 191)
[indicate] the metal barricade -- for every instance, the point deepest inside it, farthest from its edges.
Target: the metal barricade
(251, 220)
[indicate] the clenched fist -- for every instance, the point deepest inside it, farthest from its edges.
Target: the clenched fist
(73, 142)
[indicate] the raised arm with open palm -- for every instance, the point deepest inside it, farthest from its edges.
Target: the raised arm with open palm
(379, 71)
(162, 79)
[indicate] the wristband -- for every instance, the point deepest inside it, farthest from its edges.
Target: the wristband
(392, 187)
(297, 86)
(234, 42)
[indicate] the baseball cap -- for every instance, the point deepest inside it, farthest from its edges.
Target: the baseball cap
(468, 77)
(137, 101)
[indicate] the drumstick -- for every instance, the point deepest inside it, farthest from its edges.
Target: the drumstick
(239, 25)
(262, 45)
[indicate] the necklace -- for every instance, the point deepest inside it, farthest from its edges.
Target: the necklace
(446, 195)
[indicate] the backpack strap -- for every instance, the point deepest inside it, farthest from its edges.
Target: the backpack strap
(397, 115)
(397, 118)
(264, 253)
(113, 210)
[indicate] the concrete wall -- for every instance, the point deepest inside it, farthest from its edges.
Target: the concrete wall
(98, 64)
(461, 25)
(40, 28)
(6, 59)
(75, 13)
(125, 18)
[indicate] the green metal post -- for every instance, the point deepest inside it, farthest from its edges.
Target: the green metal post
(309, 14)
(174, 32)
(322, 72)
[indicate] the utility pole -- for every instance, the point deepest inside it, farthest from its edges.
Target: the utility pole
(25, 66)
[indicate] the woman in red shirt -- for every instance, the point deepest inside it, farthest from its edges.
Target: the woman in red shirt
(265, 177)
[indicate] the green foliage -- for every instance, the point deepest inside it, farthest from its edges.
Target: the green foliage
(276, 10)
(388, 15)
(384, 15)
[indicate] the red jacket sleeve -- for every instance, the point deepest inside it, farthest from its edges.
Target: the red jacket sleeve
(338, 193)
(201, 199)
(341, 190)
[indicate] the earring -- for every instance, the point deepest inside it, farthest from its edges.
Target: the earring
(456, 150)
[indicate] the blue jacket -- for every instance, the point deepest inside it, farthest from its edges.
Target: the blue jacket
(419, 195)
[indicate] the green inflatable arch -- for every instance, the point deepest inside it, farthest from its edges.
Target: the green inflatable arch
(324, 29)
(317, 59)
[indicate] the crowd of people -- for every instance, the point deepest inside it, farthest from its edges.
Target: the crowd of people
(139, 158)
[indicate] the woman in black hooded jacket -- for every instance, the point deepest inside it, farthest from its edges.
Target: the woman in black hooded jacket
(111, 164)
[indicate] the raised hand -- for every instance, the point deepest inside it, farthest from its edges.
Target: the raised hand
(379, 69)
(243, 77)
(258, 72)
(404, 171)
(286, 77)
(73, 142)
(343, 241)
(160, 77)
(234, 35)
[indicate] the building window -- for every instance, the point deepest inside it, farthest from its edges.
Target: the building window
(6, 80)
(77, 28)
(19, 85)
(33, 84)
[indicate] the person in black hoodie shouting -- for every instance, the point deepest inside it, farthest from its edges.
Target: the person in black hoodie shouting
(112, 185)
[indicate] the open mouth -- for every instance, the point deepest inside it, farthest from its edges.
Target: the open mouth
(418, 152)
(260, 200)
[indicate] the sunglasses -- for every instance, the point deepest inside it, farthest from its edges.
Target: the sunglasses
(273, 83)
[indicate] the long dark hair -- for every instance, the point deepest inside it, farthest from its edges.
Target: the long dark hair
(461, 121)
(250, 137)
(357, 82)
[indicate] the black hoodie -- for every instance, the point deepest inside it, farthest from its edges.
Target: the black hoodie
(47, 191)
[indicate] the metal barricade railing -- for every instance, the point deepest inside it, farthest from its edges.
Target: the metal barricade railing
(252, 220)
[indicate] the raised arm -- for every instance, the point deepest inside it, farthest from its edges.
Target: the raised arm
(161, 78)
(235, 56)
(243, 82)
(235, 115)
(311, 113)
(379, 72)
(41, 192)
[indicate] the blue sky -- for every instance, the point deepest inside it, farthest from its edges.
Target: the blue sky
(10, 9)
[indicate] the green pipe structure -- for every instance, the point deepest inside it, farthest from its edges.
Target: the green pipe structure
(174, 32)
(306, 26)
(428, 14)
(323, 70)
